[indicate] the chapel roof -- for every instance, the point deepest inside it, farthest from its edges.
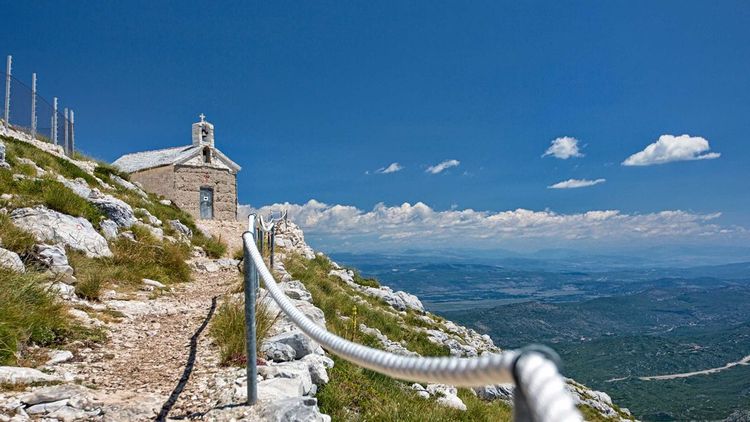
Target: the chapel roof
(144, 160)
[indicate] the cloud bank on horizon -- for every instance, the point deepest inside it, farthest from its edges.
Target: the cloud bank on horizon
(419, 225)
(669, 148)
(576, 183)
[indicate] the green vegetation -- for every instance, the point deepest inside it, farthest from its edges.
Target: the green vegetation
(105, 170)
(228, 329)
(45, 160)
(355, 393)
(214, 247)
(362, 281)
(29, 315)
(13, 238)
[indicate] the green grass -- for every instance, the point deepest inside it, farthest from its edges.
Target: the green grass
(45, 160)
(29, 315)
(105, 170)
(214, 247)
(357, 394)
(13, 238)
(228, 329)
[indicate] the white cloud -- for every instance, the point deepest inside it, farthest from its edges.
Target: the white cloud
(418, 225)
(437, 168)
(392, 168)
(563, 148)
(670, 148)
(576, 183)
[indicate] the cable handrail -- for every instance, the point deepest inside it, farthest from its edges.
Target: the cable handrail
(540, 393)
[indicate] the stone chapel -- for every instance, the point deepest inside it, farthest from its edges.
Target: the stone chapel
(199, 178)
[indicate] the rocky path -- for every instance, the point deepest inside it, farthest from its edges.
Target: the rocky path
(149, 350)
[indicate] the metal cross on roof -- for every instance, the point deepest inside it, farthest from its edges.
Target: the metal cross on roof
(203, 117)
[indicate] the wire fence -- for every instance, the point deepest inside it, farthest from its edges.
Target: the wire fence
(540, 394)
(24, 110)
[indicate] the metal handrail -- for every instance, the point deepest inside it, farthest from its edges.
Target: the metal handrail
(540, 390)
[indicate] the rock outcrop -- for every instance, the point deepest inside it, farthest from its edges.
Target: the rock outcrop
(55, 227)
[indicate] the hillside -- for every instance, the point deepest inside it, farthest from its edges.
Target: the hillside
(615, 343)
(116, 305)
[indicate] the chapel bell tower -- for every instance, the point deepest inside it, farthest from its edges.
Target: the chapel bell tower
(203, 132)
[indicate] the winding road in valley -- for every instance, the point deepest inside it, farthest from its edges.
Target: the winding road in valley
(743, 361)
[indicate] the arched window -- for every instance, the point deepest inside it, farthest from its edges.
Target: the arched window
(207, 155)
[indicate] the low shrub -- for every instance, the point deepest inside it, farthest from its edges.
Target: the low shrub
(149, 258)
(214, 247)
(228, 329)
(29, 315)
(105, 170)
(89, 286)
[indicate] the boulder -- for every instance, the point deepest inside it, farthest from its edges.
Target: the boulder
(53, 393)
(495, 392)
(14, 375)
(166, 202)
(317, 366)
(446, 396)
(421, 391)
(55, 227)
(297, 340)
(283, 388)
(153, 283)
(207, 266)
(150, 218)
(64, 290)
(10, 260)
(127, 185)
(42, 408)
(277, 352)
(59, 356)
(156, 232)
(117, 210)
(295, 409)
(54, 258)
(227, 263)
(109, 229)
(181, 228)
(3, 164)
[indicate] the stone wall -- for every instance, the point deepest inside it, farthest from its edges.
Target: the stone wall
(159, 180)
(188, 181)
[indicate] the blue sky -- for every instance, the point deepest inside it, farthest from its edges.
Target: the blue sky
(312, 98)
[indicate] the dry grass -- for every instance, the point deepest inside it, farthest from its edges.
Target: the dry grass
(228, 329)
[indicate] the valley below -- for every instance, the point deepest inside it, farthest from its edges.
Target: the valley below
(668, 343)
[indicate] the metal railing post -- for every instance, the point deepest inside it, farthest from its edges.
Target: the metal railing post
(251, 281)
(65, 131)
(273, 238)
(72, 133)
(33, 105)
(53, 135)
(7, 91)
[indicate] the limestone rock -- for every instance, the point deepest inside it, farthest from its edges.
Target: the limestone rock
(53, 393)
(153, 283)
(54, 258)
(127, 185)
(3, 163)
(156, 232)
(283, 388)
(297, 340)
(181, 228)
(495, 392)
(59, 356)
(52, 226)
(109, 229)
(446, 396)
(10, 260)
(117, 210)
(17, 375)
(42, 408)
(150, 218)
(295, 409)
(277, 352)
